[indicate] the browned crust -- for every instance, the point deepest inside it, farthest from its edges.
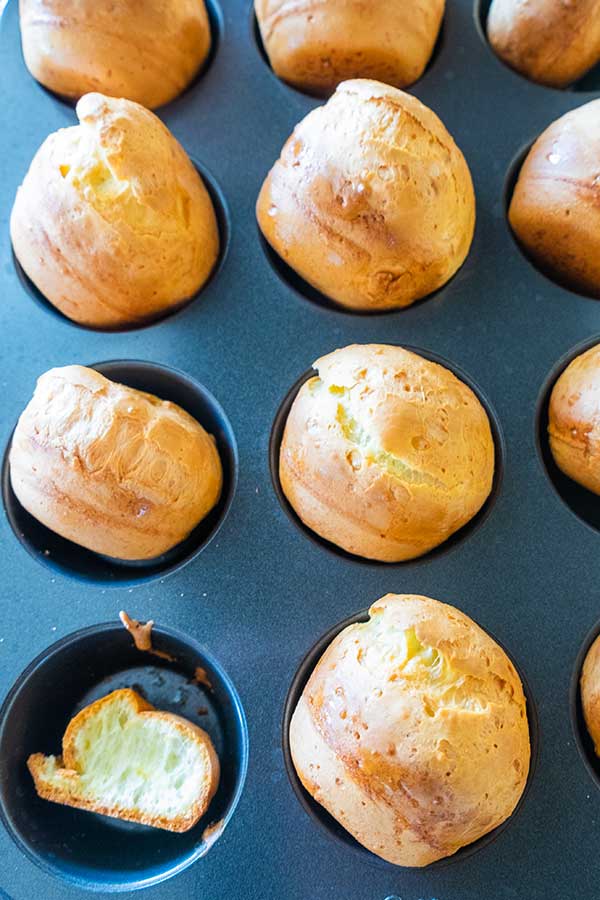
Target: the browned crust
(119, 258)
(411, 786)
(111, 468)
(142, 635)
(314, 45)
(370, 510)
(574, 420)
(555, 207)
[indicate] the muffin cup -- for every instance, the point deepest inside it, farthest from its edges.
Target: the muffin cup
(256, 39)
(582, 503)
(73, 560)
(88, 849)
(277, 430)
(305, 291)
(510, 182)
(217, 25)
(323, 818)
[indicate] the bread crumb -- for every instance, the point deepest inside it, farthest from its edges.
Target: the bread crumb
(142, 635)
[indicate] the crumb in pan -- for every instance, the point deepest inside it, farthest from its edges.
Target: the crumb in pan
(142, 635)
(201, 677)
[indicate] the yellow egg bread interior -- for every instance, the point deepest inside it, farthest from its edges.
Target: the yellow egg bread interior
(128, 759)
(352, 420)
(423, 668)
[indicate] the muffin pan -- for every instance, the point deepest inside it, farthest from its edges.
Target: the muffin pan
(260, 594)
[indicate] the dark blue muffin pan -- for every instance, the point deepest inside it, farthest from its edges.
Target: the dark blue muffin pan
(260, 593)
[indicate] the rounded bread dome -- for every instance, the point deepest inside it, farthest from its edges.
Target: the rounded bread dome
(412, 731)
(113, 223)
(145, 52)
(111, 468)
(316, 46)
(371, 201)
(385, 453)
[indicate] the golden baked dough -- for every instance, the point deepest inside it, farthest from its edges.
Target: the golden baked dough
(412, 731)
(145, 51)
(315, 44)
(590, 693)
(384, 453)
(555, 209)
(574, 420)
(122, 757)
(553, 42)
(371, 201)
(112, 468)
(112, 222)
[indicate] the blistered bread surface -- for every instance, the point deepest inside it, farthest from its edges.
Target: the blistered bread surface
(111, 468)
(112, 222)
(412, 731)
(371, 201)
(385, 453)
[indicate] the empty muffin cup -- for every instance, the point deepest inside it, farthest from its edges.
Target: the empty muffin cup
(73, 560)
(85, 848)
(322, 817)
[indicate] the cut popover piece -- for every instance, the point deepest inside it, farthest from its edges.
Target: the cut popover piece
(123, 758)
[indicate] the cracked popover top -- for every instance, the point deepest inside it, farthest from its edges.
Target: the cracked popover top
(385, 453)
